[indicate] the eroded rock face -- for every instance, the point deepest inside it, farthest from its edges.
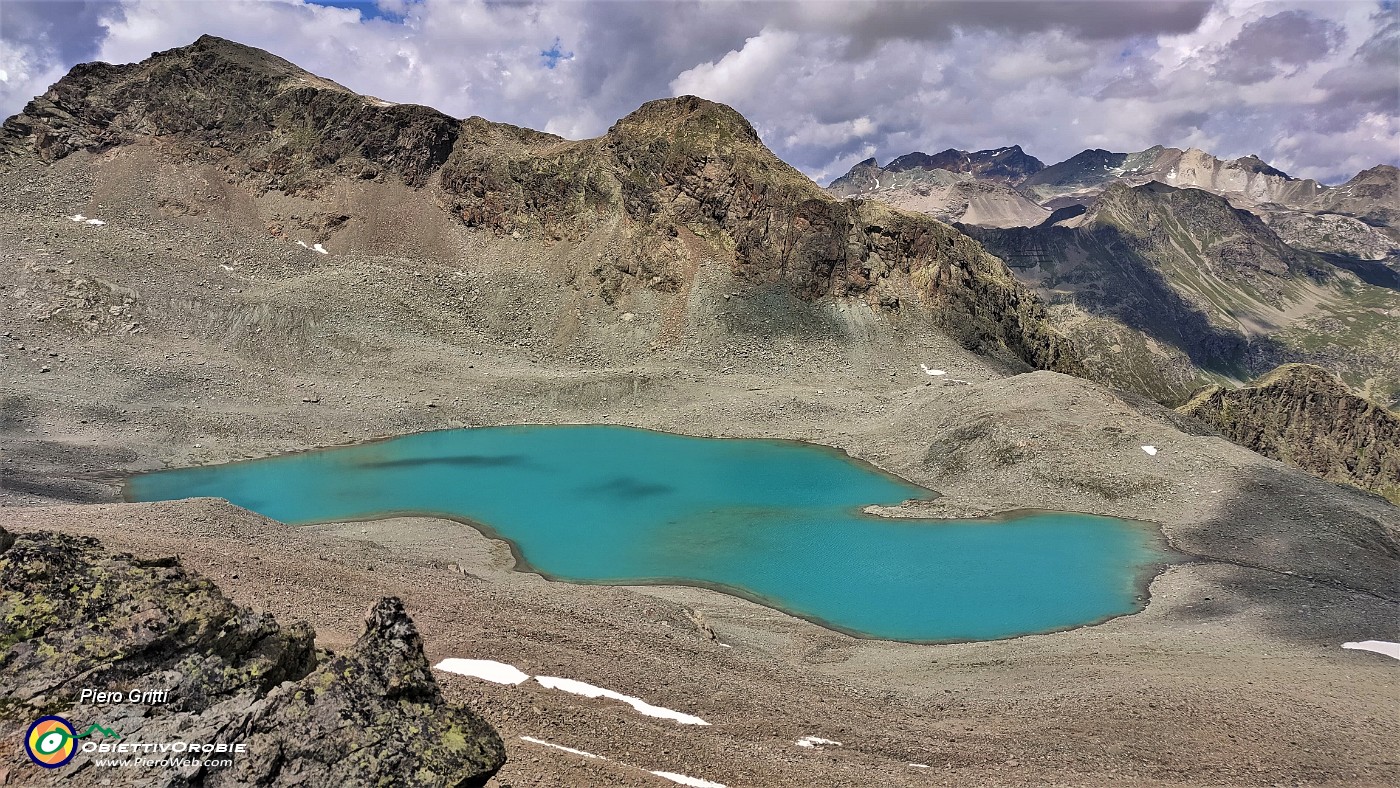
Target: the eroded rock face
(1305, 417)
(686, 178)
(285, 128)
(374, 710)
(74, 617)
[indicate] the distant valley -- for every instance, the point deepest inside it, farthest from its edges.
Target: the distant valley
(1173, 268)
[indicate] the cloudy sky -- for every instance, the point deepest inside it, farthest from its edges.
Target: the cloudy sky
(1312, 87)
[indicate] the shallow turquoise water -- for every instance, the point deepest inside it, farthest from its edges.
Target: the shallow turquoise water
(776, 521)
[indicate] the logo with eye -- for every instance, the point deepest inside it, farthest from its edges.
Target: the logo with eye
(50, 742)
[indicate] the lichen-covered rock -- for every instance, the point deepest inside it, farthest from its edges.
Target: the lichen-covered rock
(69, 611)
(1303, 416)
(74, 617)
(381, 692)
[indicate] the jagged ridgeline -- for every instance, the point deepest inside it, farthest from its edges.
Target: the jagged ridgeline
(676, 182)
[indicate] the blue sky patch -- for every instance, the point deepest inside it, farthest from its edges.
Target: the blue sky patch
(369, 9)
(554, 54)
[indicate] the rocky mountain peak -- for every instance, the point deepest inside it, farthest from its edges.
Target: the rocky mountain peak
(245, 107)
(1253, 163)
(685, 116)
(208, 46)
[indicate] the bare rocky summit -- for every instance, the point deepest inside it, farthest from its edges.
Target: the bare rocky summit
(1304, 416)
(77, 617)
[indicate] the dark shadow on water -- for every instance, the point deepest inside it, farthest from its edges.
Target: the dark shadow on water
(462, 461)
(627, 488)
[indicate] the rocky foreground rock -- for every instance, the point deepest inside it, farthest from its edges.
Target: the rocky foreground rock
(74, 617)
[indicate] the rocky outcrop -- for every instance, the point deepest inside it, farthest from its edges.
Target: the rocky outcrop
(1303, 416)
(75, 617)
(674, 182)
(373, 712)
(280, 126)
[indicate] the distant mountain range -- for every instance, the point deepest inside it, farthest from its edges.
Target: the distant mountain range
(1173, 267)
(1022, 189)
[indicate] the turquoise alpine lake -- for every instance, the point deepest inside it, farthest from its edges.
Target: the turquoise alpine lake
(778, 522)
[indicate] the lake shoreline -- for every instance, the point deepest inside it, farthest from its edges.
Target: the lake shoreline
(952, 592)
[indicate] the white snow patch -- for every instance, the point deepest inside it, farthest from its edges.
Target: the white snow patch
(1379, 646)
(1151, 450)
(486, 669)
(543, 743)
(226, 267)
(77, 217)
(320, 248)
(96, 222)
(303, 245)
(725, 645)
(919, 766)
(642, 707)
(813, 742)
(694, 782)
(934, 372)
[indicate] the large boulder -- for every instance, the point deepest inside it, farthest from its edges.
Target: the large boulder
(73, 617)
